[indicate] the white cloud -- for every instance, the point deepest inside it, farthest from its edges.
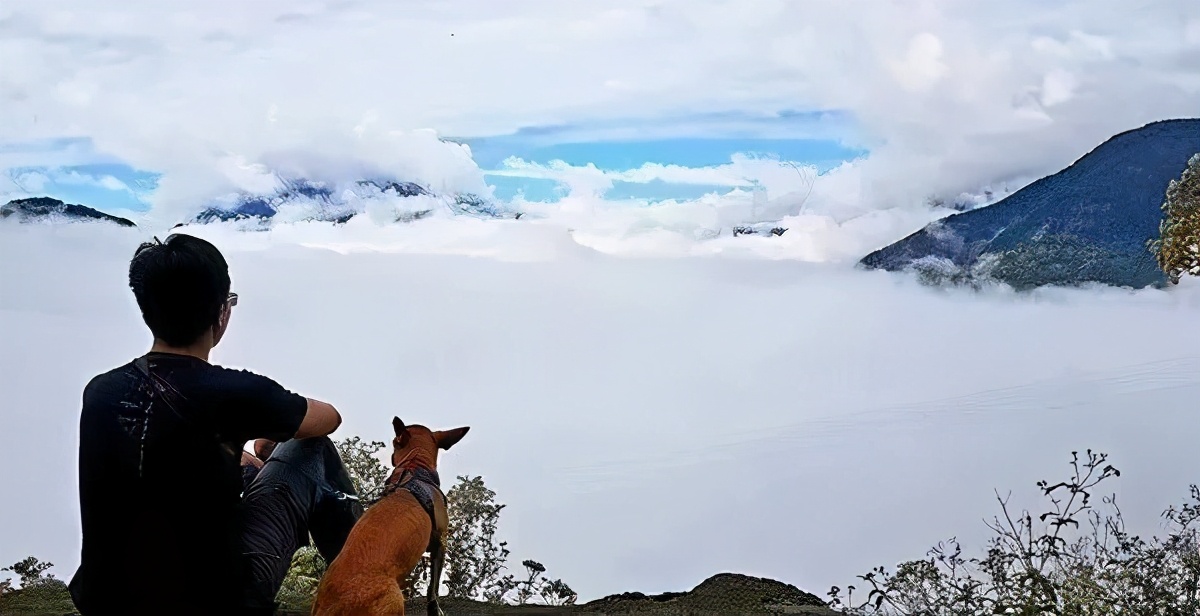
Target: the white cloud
(922, 65)
(1076, 45)
(28, 181)
(51, 153)
(108, 182)
(1058, 87)
(951, 94)
(826, 215)
(112, 183)
(741, 171)
(592, 180)
(1191, 34)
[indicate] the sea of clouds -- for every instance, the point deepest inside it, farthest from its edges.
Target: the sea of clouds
(649, 420)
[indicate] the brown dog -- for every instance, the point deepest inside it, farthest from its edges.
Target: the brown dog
(387, 542)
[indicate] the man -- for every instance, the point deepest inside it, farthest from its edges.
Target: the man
(170, 523)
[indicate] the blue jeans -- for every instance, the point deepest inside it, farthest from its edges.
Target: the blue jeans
(302, 490)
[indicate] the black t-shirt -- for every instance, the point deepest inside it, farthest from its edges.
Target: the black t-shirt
(160, 489)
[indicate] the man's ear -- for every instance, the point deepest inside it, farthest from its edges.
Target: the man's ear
(398, 426)
(221, 325)
(447, 439)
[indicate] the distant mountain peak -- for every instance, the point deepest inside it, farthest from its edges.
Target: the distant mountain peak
(1088, 223)
(47, 209)
(327, 203)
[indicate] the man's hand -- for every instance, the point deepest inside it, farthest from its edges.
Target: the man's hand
(320, 420)
(263, 448)
(249, 459)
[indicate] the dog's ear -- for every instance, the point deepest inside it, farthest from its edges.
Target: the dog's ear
(447, 439)
(398, 426)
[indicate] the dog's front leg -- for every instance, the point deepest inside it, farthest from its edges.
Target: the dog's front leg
(437, 555)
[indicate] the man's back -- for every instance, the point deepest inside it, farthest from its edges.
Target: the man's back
(160, 484)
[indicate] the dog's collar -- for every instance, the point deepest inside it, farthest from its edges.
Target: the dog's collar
(403, 474)
(420, 473)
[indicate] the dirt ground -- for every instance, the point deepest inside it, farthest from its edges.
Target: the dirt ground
(721, 595)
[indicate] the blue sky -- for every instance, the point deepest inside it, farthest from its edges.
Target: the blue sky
(87, 185)
(631, 154)
(112, 185)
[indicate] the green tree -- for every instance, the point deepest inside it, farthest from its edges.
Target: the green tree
(1074, 559)
(556, 592)
(30, 570)
(366, 471)
(40, 591)
(1177, 248)
(553, 592)
(474, 557)
(304, 575)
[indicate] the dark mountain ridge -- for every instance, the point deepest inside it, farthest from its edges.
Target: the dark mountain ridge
(1087, 223)
(36, 209)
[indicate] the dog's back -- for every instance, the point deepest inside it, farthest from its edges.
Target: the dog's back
(384, 546)
(389, 539)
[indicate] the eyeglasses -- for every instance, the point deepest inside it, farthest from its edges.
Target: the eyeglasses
(232, 301)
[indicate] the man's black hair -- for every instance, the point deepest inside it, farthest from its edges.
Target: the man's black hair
(181, 286)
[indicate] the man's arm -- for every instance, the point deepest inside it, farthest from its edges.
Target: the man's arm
(321, 419)
(251, 406)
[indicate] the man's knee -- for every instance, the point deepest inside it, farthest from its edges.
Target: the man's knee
(313, 461)
(304, 446)
(311, 455)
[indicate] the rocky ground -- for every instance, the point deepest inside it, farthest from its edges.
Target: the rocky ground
(720, 595)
